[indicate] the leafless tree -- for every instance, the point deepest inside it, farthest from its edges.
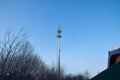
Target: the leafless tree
(18, 60)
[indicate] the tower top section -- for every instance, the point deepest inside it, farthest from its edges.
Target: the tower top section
(59, 31)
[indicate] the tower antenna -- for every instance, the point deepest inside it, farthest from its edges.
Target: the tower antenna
(59, 37)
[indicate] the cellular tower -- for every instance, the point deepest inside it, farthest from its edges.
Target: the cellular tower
(59, 37)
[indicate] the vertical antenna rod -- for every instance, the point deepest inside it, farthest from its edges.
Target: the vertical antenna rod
(58, 37)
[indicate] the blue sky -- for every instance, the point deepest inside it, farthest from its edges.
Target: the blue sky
(90, 28)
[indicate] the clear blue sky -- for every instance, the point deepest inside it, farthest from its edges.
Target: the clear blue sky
(90, 28)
